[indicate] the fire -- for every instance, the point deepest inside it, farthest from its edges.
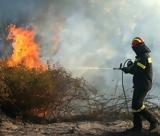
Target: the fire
(25, 48)
(39, 112)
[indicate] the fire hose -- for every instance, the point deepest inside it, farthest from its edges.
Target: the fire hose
(123, 88)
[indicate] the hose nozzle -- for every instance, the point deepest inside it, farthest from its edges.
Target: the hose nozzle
(120, 67)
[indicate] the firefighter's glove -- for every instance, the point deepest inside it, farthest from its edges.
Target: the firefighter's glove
(125, 69)
(129, 63)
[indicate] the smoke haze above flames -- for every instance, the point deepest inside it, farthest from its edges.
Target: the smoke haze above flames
(94, 33)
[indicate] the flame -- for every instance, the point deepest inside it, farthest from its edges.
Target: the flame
(39, 112)
(25, 48)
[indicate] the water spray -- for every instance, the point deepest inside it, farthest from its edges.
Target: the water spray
(95, 68)
(90, 68)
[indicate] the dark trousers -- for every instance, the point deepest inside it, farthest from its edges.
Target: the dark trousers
(138, 98)
(137, 103)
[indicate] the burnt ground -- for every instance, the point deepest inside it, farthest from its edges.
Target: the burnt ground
(11, 127)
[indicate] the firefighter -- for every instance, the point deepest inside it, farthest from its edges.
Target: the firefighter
(141, 69)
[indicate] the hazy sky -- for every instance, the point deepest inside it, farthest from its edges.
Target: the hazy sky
(89, 33)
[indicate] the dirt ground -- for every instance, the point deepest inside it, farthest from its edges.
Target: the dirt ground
(10, 127)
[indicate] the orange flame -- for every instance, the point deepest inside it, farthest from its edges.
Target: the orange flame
(25, 49)
(39, 112)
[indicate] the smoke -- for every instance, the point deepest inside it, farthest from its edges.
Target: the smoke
(89, 33)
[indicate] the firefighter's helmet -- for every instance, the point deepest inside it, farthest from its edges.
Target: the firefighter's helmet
(137, 41)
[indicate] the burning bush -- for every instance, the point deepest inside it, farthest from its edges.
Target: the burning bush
(28, 87)
(32, 92)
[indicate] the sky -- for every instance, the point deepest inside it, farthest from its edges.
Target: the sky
(92, 33)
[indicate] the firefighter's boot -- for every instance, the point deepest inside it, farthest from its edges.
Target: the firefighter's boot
(137, 124)
(154, 123)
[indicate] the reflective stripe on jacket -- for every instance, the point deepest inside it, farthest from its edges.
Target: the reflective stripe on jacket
(142, 72)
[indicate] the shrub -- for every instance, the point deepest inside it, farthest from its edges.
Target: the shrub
(33, 92)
